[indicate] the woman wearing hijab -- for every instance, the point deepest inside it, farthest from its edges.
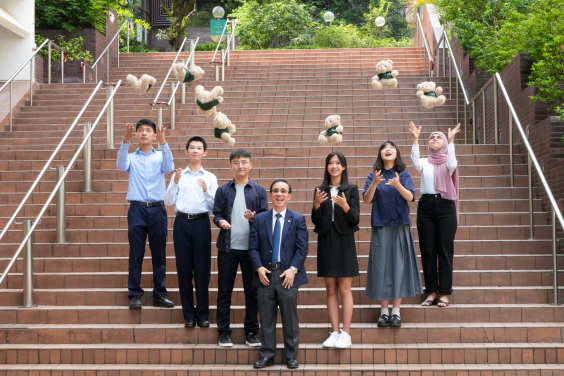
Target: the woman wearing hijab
(393, 271)
(335, 214)
(437, 212)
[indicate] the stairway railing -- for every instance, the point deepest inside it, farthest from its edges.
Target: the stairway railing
(28, 279)
(422, 44)
(225, 54)
(107, 52)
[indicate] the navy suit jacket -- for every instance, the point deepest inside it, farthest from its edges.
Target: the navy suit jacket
(293, 250)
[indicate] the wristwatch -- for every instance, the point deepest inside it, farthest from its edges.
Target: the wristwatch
(295, 270)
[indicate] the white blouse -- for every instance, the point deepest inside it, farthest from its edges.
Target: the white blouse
(427, 169)
(334, 192)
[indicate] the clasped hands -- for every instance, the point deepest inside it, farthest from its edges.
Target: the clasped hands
(288, 276)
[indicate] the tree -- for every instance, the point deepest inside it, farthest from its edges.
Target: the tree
(178, 15)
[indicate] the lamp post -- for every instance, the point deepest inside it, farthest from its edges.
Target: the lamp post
(328, 17)
(380, 22)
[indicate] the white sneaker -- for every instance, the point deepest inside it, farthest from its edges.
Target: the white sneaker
(344, 341)
(330, 342)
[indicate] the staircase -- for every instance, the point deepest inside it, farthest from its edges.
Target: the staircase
(499, 320)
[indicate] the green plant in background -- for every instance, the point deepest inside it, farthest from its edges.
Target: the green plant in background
(72, 14)
(375, 10)
(273, 24)
(136, 25)
(336, 36)
(209, 46)
(74, 48)
(178, 16)
(348, 12)
(201, 19)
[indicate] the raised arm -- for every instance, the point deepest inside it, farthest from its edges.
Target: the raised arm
(452, 163)
(372, 181)
(416, 132)
(171, 193)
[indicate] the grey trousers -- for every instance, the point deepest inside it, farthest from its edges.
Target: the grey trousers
(269, 299)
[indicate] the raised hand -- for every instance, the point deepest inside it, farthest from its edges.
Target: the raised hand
(416, 132)
(130, 131)
(378, 178)
(395, 182)
(249, 215)
(161, 135)
(452, 133)
(177, 175)
(341, 201)
(319, 198)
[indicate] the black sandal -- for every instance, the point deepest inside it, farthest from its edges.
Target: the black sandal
(427, 303)
(443, 302)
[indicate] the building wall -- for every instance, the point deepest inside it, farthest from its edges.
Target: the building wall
(14, 50)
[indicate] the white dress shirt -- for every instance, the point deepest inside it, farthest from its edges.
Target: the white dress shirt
(283, 213)
(427, 169)
(187, 196)
(334, 192)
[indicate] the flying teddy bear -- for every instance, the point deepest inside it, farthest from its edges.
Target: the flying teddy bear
(184, 74)
(429, 95)
(223, 129)
(141, 85)
(207, 100)
(385, 77)
(333, 133)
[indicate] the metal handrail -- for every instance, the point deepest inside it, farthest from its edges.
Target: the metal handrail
(192, 51)
(59, 183)
(106, 51)
(212, 62)
(556, 214)
(51, 43)
(170, 69)
(31, 78)
(48, 163)
(431, 61)
(225, 54)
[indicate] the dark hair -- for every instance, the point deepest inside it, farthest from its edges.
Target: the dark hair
(344, 176)
(281, 181)
(239, 153)
(146, 122)
(197, 139)
(399, 166)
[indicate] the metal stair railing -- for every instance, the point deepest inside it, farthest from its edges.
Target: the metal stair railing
(107, 52)
(423, 45)
(225, 54)
(29, 226)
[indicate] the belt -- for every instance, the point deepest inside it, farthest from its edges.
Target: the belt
(192, 216)
(276, 266)
(141, 203)
(427, 195)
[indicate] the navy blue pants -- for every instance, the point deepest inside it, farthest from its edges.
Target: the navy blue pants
(227, 264)
(192, 246)
(143, 221)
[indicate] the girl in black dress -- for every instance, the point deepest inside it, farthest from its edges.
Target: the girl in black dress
(335, 215)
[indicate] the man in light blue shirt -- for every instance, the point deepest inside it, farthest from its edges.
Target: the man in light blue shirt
(147, 215)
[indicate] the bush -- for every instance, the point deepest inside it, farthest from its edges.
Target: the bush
(72, 15)
(273, 24)
(209, 46)
(336, 36)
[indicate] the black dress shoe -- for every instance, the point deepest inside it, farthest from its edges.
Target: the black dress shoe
(203, 323)
(225, 340)
(190, 323)
(264, 362)
(252, 339)
(135, 302)
(293, 363)
(395, 321)
(383, 321)
(162, 301)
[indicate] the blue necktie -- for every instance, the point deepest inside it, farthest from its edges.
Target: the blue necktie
(276, 240)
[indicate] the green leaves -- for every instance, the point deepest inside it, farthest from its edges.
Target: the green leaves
(72, 14)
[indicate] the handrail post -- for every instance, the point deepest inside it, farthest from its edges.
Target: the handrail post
(450, 78)
(61, 201)
(474, 122)
(159, 122)
(222, 65)
(127, 40)
(511, 149)
(28, 267)
(228, 54)
(496, 121)
(110, 115)
(108, 65)
(554, 258)
(457, 104)
(49, 65)
(183, 93)
(465, 122)
(62, 67)
(11, 118)
(192, 58)
(87, 154)
(530, 179)
(172, 107)
(31, 78)
(484, 115)
(96, 73)
(217, 72)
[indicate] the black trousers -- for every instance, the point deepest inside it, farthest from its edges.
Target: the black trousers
(227, 265)
(143, 221)
(436, 226)
(192, 246)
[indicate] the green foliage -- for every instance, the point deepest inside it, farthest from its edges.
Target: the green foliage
(209, 46)
(201, 19)
(349, 36)
(374, 11)
(74, 48)
(72, 14)
(136, 24)
(273, 24)
(134, 46)
(350, 12)
(178, 16)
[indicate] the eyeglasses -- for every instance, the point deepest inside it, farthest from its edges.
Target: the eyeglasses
(242, 163)
(283, 191)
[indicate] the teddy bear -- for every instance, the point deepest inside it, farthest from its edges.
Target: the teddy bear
(333, 132)
(429, 95)
(184, 74)
(223, 129)
(207, 100)
(385, 77)
(141, 85)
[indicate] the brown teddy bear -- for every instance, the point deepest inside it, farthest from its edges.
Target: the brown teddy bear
(385, 77)
(183, 74)
(207, 100)
(333, 133)
(141, 85)
(430, 95)
(223, 129)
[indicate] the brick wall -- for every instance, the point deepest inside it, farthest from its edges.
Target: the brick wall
(38, 69)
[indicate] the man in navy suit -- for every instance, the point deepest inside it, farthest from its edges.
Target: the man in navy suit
(278, 247)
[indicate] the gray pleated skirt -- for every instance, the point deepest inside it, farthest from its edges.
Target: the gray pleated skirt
(393, 270)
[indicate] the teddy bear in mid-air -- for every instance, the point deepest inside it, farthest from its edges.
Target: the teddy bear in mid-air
(184, 74)
(223, 129)
(385, 76)
(333, 132)
(207, 100)
(141, 85)
(430, 94)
